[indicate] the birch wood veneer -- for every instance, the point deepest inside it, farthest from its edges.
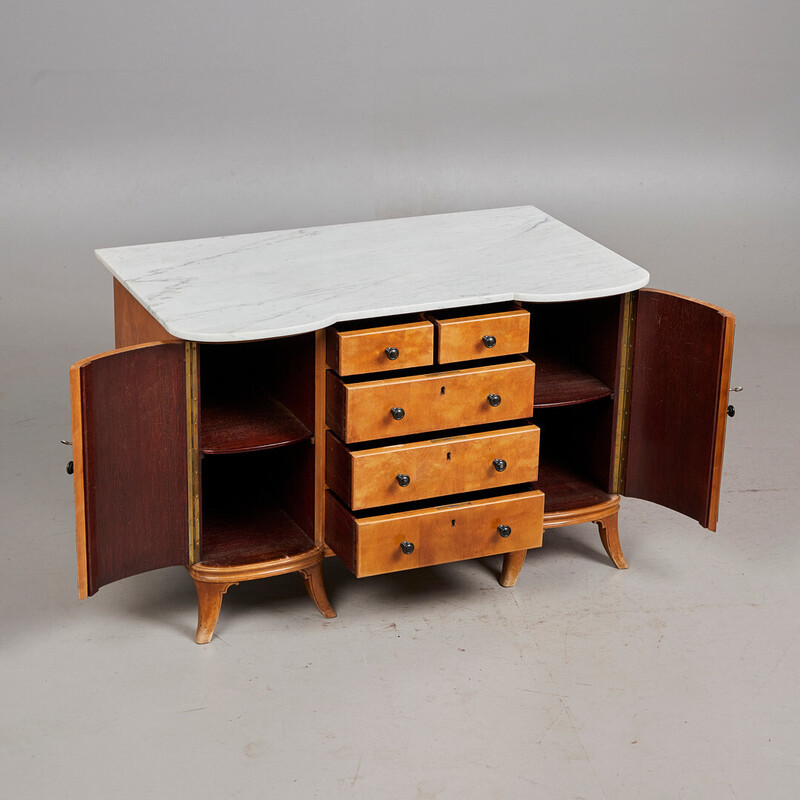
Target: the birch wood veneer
(402, 406)
(465, 338)
(400, 394)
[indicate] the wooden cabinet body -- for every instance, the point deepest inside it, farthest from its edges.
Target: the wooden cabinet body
(246, 459)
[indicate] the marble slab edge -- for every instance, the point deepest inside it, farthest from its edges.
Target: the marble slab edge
(618, 276)
(389, 311)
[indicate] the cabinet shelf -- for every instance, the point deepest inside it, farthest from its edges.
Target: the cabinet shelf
(561, 383)
(565, 490)
(234, 537)
(258, 424)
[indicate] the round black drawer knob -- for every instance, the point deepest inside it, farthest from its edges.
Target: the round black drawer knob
(489, 341)
(731, 411)
(499, 464)
(392, 353)
(398, 413)
(70, 468)
(407, 547)
(403, 480)
(504, 531)
(494, 400)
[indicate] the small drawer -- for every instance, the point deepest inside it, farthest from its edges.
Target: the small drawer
(362, 410)
(355, 350)
(481, 336)
(372, 545)
(420, 470)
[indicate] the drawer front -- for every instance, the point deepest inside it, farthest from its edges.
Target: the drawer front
(379, 544)
(380, 349)
(359, 412)
(403, 473)
(482, 336)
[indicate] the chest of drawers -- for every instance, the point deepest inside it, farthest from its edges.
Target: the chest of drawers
(277, 398)
(461, 484)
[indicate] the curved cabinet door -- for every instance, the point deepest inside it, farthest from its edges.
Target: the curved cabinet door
(129, 433)
(680, 377)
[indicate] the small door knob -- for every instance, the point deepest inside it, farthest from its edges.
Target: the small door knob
(499, 464)
(407, 547)
(504, 531)
(403, 480)
(489, 341)
(398, 413)
(731, 411)
(70, 468)
(494, 400)
(392, 353)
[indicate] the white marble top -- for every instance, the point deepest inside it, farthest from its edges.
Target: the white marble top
(264, 285)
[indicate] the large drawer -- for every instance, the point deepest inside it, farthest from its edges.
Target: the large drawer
(362, 410)
(355, 350)
(464, 338)
(372, 545)
(406, 472)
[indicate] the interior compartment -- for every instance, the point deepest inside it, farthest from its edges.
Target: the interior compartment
(257, 395)
(256, 409)
(377, 322)
(257, 506)
(575, 347)
(575, 454)
(486, 310)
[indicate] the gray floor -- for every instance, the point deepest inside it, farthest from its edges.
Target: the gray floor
(673, 679)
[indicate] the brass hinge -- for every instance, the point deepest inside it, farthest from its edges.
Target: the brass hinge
(624, 392)
(193, 452)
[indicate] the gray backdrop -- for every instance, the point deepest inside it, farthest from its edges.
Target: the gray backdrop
(668, 131)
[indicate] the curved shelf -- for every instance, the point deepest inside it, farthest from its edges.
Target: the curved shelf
(247, 537)
(566, 490)
(561, 383)
(247, 427)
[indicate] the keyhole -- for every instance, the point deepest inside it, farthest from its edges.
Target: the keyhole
(452, 523)
(448, 456)
(441, 391)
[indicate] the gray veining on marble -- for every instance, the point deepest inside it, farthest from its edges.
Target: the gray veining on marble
(263, 285)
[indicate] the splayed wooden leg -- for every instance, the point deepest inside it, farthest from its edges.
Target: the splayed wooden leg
(312, 577)
(512, 564)
(209, 602)
(609, 536)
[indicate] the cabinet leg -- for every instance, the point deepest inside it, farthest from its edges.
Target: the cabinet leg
(512, 564)
(312, 577)
(609, 536)
(209, 602)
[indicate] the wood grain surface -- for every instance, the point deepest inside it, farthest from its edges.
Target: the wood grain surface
(132, 409)
(461, 338)
(133, 324)
(434, 468)
(351, 352)
(679, 390)
(372, 545)
(361, 411)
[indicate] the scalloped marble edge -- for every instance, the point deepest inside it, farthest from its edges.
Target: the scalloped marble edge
(234, 288)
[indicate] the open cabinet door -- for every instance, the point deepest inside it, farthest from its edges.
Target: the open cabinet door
(130, 452)
(680, 378)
